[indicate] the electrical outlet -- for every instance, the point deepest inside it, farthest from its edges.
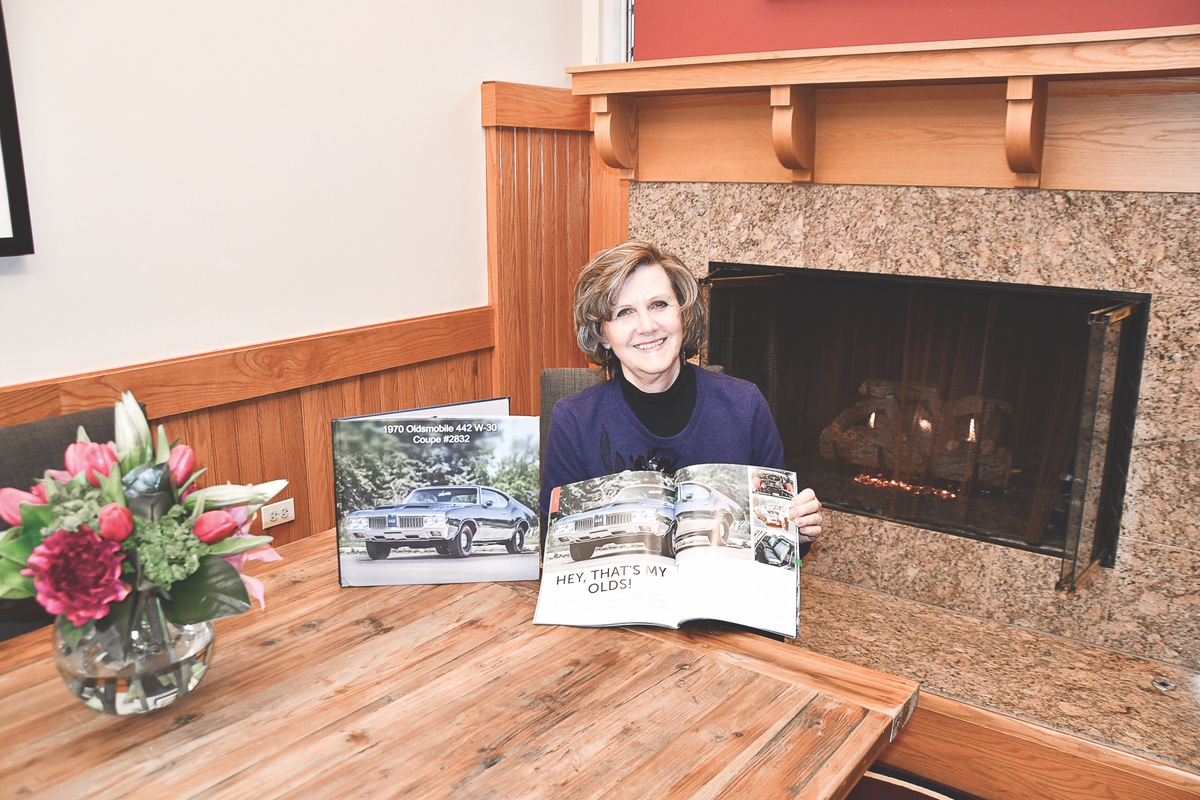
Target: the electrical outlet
(278, 513)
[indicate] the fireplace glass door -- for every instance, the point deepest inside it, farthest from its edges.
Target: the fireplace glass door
(1001, 412)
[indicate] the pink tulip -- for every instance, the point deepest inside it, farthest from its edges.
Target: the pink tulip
(116, 522)
(90, 458)
(213, 526)
(10, 504)
(254, 587)
(182, 463)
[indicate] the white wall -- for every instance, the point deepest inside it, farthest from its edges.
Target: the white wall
(206, 174)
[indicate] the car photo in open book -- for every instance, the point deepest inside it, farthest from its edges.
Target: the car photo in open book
(639, 514)
(703, 510)
(774, 483)
(448, 519)
(775, 550)
(771, 514)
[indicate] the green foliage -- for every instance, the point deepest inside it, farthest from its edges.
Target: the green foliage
(169, 550)
(519, 476)
(14, 585)
(78, 503)
(69, 633)
(240, 544)
(213, 591)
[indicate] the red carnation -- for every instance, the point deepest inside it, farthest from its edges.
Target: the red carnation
(77, 574)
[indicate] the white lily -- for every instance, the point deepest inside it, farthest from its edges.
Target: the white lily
(133, 441)
(231, 494)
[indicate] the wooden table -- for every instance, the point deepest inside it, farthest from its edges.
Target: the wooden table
(451, 691)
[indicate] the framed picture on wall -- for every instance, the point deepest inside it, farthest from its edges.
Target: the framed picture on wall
(16, 234)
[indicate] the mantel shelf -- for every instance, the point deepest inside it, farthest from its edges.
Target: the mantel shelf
(807, 115)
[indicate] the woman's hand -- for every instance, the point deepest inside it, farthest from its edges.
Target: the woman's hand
(806, 511)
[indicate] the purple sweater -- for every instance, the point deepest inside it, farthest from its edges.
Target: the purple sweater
(594, 433)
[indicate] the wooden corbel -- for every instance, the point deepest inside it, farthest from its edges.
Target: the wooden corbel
(616, 132)
(794, 129)
(1025, 129)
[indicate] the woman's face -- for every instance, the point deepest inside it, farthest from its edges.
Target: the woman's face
(646, 329)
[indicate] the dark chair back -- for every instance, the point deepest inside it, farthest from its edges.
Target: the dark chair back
(27, 450)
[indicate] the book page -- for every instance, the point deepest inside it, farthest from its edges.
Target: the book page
(608, 553)
(737, 546)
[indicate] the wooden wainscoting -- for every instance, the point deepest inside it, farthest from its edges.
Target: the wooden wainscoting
(551, 203)
(263, 412)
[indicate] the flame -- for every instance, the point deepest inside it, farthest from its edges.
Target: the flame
(925, 425)
(871, 421)
(971, 432)
(884, 483)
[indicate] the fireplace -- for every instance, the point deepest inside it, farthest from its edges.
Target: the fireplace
(995, 411)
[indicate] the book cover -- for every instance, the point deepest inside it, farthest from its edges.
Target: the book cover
(436, 496)
(714, 541)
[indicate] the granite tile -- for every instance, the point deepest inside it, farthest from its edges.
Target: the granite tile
(674, 216)
(1169, 392)
(1091, 240)
(1154, 596)
(1082, 689)
(846, 228)
(939, 569)
(1021, 592)
(1162, 498)
(759, 223)
(1177, 269)
(850, 549)
(970, 234)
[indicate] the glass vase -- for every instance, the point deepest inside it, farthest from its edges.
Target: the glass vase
(142, 665)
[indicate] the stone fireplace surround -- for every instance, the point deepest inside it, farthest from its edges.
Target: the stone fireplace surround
(1138, 619)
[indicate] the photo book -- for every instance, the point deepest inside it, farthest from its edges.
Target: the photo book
(443, 494)
(715, 541)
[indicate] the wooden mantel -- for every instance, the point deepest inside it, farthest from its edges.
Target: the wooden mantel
(1114, 110)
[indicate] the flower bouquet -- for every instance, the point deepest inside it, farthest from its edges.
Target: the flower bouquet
(135, 560)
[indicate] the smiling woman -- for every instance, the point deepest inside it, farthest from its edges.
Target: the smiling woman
(645, 329)
(638, 314)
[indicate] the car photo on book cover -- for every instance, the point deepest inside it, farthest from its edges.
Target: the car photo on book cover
(436, 500)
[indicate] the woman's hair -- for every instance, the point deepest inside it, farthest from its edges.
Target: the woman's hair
(601, 280)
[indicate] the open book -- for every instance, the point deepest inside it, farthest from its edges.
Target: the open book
(641, 548)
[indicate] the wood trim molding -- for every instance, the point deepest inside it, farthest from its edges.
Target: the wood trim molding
(794, 129)
(1025, 128)
(520, 105)
(180, 385)
(616, 133)
(992, 755)
(1153, 51)
(1107, 111)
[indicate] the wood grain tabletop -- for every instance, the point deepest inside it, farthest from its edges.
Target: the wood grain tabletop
(452, 691)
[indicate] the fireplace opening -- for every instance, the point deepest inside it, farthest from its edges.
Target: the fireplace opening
(1000, 412)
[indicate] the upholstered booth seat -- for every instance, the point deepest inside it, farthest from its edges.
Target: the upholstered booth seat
(27, 450)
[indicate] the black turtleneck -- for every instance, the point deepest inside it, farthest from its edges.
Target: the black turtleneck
(664, 413)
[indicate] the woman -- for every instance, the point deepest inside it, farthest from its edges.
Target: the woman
(638, 314)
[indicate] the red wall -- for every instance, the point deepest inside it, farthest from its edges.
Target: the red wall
(679, 28)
